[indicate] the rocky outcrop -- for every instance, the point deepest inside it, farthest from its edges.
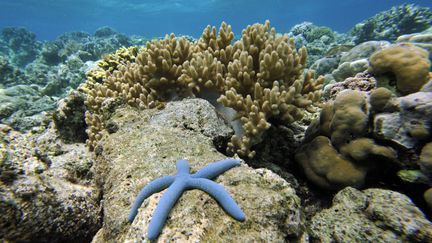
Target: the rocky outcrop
(146, 144)
(372, 215)
(47, 192)
(408, 125)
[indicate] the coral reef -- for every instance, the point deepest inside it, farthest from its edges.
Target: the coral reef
(390, 24)
(21, 45)
(362, 131)
(319, 40)
(108, 64)
(84, 45)
(23, 107)
(348, 63)
(47, 71)
(261, 76)
(402, 68)
(324, 166)
(206, 99)
(10, 75)
(422, 39)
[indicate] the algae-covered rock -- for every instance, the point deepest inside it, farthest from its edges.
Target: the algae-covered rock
(325, 65)
(145, 147)
(195, 115)
(372, 215)
(69, 118)
(363, 50)
(47, 190)
(349, 69)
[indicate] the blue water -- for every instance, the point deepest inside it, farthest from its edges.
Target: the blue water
(50, 18)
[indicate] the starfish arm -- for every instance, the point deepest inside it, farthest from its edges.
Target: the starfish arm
(182, 166)
(152, 187)
(214, 169)
(220, 195)
(166, 203)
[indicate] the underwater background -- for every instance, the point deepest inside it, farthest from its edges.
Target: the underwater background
(298, 121)
(50, 18)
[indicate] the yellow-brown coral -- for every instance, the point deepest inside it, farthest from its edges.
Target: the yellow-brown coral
(410, 64)
(260, 76)
(337, 151)
(324, 166)
(109, 63)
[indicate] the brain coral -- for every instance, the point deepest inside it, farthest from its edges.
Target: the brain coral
(410, 64)
(338, 150)
(260, 76)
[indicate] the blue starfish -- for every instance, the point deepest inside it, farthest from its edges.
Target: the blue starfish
(182, 181)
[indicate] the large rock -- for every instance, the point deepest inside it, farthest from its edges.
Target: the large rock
(146, 145)
(409, 125)
(372, 215)
(363, 50)
(349, 69)
(47, 192)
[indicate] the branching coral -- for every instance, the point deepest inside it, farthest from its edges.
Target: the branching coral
(260, 76)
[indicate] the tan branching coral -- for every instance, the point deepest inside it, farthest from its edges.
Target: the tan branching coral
(266, 79)
(219, 44)
(203, 71)
(260, 76)
(145, 82)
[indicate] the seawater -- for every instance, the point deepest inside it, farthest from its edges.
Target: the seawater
(51, 18)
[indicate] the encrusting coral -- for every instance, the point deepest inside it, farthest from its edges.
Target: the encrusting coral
(260, 76)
